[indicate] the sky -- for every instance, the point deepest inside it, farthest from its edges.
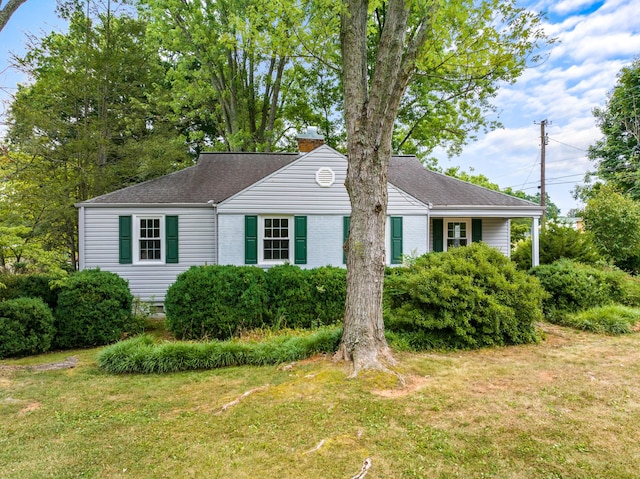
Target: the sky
(596, 39)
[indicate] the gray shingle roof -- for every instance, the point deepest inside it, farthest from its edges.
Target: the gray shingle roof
(218, 176)
(408, 174)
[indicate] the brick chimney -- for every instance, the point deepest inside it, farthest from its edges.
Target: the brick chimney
(309, 140)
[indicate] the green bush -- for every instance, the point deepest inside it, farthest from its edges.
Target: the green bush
(216, 301)
(26, 327)
(144, 354)
(574, 287)
(611, 319)
(94, 308)
(467, 297)
(30, 286)
(557, 242)
(306, 298)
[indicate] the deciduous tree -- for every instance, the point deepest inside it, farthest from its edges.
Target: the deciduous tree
(617, 154)
(458, 49)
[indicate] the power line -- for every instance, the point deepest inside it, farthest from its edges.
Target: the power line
(567, 144)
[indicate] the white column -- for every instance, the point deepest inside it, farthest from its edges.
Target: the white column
(535, 243)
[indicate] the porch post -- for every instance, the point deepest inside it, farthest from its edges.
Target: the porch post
(535, 243)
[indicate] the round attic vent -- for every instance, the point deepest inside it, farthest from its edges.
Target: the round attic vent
(325, 177)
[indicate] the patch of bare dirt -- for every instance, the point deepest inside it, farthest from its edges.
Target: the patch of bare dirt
(412, 384)
(34, 406)
(68, 363)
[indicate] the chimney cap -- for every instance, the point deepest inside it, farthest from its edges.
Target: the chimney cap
(311, 133)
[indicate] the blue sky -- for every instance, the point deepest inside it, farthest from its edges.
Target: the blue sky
(597, 38)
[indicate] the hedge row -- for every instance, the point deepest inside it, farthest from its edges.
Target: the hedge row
(217, 301)
(89, 308)
(575, 287)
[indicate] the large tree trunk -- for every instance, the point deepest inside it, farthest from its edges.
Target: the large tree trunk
(371, 106)
(363, 340)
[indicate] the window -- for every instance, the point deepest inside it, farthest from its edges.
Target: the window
(149, 243)
(457, 234)
(148, 239)
(275, 240)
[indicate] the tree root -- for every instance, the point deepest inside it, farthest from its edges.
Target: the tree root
(320, 444)
(68, 363)
(366, 465)
(241, 397)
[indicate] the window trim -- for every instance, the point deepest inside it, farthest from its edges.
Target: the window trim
(445, 231)
(261, 238)
(135, 234)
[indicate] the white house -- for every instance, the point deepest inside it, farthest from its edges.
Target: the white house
(268, 208)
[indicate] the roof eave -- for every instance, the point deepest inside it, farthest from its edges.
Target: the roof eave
(501, 211)
(143, 205)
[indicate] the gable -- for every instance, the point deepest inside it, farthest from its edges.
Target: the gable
(313, 184)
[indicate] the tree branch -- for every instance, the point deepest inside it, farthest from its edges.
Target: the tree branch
(8, 10)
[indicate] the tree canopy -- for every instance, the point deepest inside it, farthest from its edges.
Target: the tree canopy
(617, 154)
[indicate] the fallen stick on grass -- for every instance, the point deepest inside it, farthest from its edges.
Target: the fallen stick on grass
(241, 397)
(366, 465)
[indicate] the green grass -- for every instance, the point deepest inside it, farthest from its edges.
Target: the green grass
(609, 319)
(566, 407)
(144, 354)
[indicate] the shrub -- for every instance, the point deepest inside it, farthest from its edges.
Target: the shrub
(305, 298)
(144, 355)
(26, 327)
(216, 301)
(574, 287)
(30, 286)
(610, 319)
(94, 308)
(467, 297)
(557, 242)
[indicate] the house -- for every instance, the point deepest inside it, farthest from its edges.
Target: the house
(269, 208)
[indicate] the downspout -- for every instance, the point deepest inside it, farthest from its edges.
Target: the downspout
(216, 238)
(535, 243)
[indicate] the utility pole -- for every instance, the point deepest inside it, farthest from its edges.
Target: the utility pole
(544, 140)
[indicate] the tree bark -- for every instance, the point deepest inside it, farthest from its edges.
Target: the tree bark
(371, 107)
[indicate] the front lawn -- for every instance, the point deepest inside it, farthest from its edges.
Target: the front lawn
(566, 407)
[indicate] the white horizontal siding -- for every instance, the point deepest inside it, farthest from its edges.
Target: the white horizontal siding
(197, 246)
(293, 190)
(414, 235)
(496, 232)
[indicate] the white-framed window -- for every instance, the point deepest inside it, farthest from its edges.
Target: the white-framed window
(457, 233)
(276, 239)
(148, 242)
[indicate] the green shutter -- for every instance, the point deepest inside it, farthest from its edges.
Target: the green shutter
(125, 254)
(396, 239)
(346, 221)
(476, 230)
(437, 227)
(171, 233)
(300, 239)
(251, 240)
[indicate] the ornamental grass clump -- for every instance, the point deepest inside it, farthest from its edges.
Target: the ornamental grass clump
(144, 354)
(467, 297)
(612, 319)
